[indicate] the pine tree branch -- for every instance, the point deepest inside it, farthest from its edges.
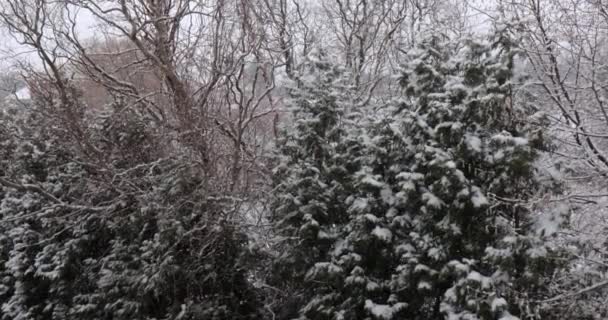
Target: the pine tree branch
(594, 287)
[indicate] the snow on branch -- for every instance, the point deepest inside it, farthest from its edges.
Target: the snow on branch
(37, 189)
(594, 287)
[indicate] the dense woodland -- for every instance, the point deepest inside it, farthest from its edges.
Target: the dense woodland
(310, 160)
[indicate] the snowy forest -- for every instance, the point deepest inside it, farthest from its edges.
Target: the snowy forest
(304, 159)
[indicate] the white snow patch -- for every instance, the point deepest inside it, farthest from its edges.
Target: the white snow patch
(383, 311)
(459, 266)
(372, 182)
(323, 268)
(371, 218)
(405, 248)
(423, 285)
(520, 141)
(506, 137)
(359, 205)
(479, 200)
(383, 234)
(450, 165)
(484, 281)
(387, 196)
(372, 286)
(507, 316)
(421, 268)
(548, 223)
(555, 173)
(450, 295)
(431, 200)
(474, 276)
(473, 142)
(537, 252)
(498, 303)
(435, 253)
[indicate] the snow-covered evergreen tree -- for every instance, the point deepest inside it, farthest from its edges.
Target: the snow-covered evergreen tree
(138, 237)
(427, 224)
(312, 179)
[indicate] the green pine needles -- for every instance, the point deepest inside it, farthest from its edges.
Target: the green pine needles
(402, 211)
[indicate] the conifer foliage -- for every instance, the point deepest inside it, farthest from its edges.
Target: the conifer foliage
(422, 224)
(408, 209)
(312, 178)
(139, 238)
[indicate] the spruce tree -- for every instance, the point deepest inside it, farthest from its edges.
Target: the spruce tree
(429, 226)
(312, 176)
